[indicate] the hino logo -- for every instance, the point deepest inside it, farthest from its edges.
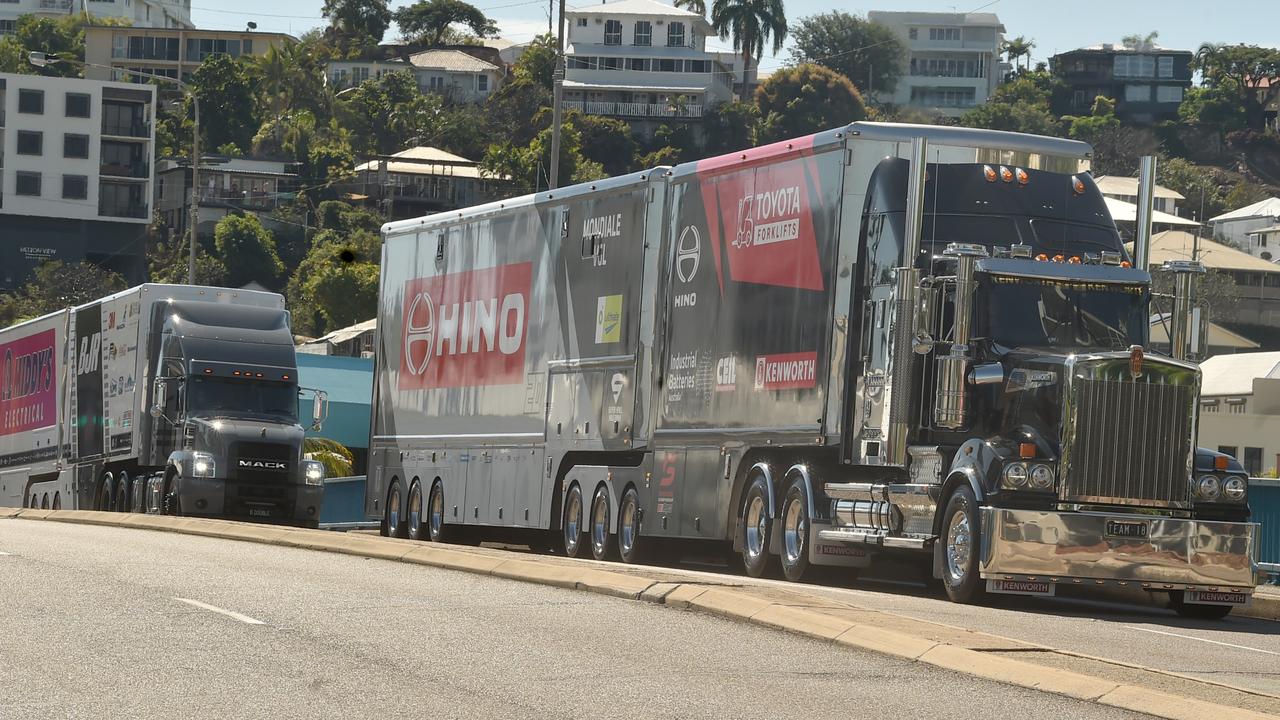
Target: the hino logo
(688, 254)
(475, 326)
(264, 464)
(420, 334)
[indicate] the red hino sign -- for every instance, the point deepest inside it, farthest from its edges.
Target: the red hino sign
(792, 371)
(466, 329)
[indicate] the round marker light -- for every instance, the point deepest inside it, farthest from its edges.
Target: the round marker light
(1041, 477)
(989, 172)
(1006, 174)
(1073, 260)
(1209, 487)
(1059, 258)
(1077, 185)
(1234, 487)
(1023, 177)
(1042, 257)
(1015, 475)
(1126, 264)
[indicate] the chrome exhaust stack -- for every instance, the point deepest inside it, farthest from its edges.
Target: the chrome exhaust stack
(1184, 274)
(1146, 210)
(906, 312)
(953, 368)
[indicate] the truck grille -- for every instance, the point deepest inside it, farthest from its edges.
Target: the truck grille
(1127, 441)
(262, 453)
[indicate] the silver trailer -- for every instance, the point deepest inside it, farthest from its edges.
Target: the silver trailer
(162, 398)
(829, 349)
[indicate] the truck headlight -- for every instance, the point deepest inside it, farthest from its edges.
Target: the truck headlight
(1208, 487)
(313, 472)
(1234, 487)
(1041, 477)
(1015, 475)
(202, 465)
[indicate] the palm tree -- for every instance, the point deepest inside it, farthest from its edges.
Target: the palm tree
(1018, 47)
(694, 6)
(751, 23)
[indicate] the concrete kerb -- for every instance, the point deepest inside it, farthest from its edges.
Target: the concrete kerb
(734, 603)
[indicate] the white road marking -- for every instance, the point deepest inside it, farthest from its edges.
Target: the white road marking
(229, 613)
(3, 552)
(1193, 637)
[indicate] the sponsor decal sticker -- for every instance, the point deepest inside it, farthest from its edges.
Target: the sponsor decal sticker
(28, 399)
(791, 371)
(466, 329)
(727, 373)
(840, 550)
(1206, 597)
(1021, 587)
(608, 319)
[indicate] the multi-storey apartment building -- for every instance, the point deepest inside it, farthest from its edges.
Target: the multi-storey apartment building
(169, 52)
(1146, 81)
(75, 173)
(642, 61)
(953, 59)
(138, 13)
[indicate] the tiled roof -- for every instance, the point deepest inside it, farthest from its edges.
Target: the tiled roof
(450, 61)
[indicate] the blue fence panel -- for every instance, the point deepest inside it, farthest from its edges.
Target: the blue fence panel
(343, 502)
(1264, 500)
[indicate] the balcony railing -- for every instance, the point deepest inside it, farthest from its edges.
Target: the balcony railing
(640, 110)
(123, 210)
(124, 129)
(137, 170)
(240, 199)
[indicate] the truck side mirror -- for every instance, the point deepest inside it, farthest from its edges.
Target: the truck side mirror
(161, 398)
(319, 409)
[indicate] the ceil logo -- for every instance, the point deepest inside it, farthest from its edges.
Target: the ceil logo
(466, 328)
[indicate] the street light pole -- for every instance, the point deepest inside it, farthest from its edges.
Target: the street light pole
(39, 59)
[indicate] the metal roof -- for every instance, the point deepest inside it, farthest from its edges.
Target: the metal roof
(634, 7)
(1122, 211)
(1128, 187)
(1234, 374)
(1263, 208)
(1178, 245)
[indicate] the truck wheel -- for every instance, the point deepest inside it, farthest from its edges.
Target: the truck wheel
(570, 540)
(601, 539)
(1194, 611)
(630, 546)
(170, 503)
(105, 497)
(393, 521)
(960, 534)
(437, 531)
(757, 528)
(57, 501)
(416, 518)
(795, 532)
(139, 495)
(122, 493)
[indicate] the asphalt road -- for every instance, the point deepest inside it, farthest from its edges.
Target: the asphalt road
(107, 622)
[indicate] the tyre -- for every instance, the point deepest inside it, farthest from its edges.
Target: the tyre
(416, 520)
(170, 503)
(570, 538)
(122, 493)
(393, 520)
(795, 532)
(757, 528)
(57, 501)
(139, 495)
(630, 547)
(1193, 611)
(437, 531)
(602, 541)
(44, 502)
(106, 498)
(960, 537)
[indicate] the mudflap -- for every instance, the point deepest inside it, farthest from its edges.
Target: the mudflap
(835, 554)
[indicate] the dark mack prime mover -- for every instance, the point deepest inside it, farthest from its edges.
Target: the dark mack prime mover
(164, 399)
(882, 339)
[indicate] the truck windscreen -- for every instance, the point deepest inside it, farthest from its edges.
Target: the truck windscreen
(1021, 312)
(214, 395)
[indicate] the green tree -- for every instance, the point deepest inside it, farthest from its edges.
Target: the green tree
(751, 24)
(1138, 41)
(61, 36)
(693, 6)
(1240, 69)
(248, 250)
(226, 92)
(538, 61)
(336, 284)
(336, 458)
(168, 257)
(861, 50)
(356, 25)
(56, 285)
(429, 22)
(805, 99)
(1026, 104)
(384, 114)
(1215, 107)
(1018, 48)
(1195, 183)
(607, 141)
(513, 105)
(730, 127)
(1243, 194)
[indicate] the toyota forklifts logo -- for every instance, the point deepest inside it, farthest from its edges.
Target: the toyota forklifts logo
(419, 334)
(688, 254)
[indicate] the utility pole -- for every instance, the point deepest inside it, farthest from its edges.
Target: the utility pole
(195, 191)
(557, 112)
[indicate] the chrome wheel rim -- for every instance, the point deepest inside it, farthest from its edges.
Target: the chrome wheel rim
(599, 523)
(794, 527)
(627, 525)
(959, 546)
(415, 513)
(756, 520)
(393, 513)
(572, 522)
(436, 516)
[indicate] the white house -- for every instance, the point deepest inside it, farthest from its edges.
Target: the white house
(138, 13)
(1240, 408)
(643, 61)
(453, 74)
(953, 59)
(1237, 225)
(1126, 189)
(75, 171)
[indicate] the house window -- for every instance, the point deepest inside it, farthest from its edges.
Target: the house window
(1134, 66)
(1169, 93)
(8, 27)
(75, 146)
(31, 102)
(913, 33)
(339, 76)
(1166, 67)
(1228, 450)
(612, 63)
(675, 34)
(582, 22)
(1137, 93)
(30, 142)
(1236, 406)
(482, 83)
(944, 34)
(75, 187)
(77, 105)
(359, 75)
(28, 184)
(663, 65)
(644, 33)
(1253, 461)
(437, 83)
(612, 32)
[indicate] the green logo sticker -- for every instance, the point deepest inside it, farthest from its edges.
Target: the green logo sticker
(608, 319)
